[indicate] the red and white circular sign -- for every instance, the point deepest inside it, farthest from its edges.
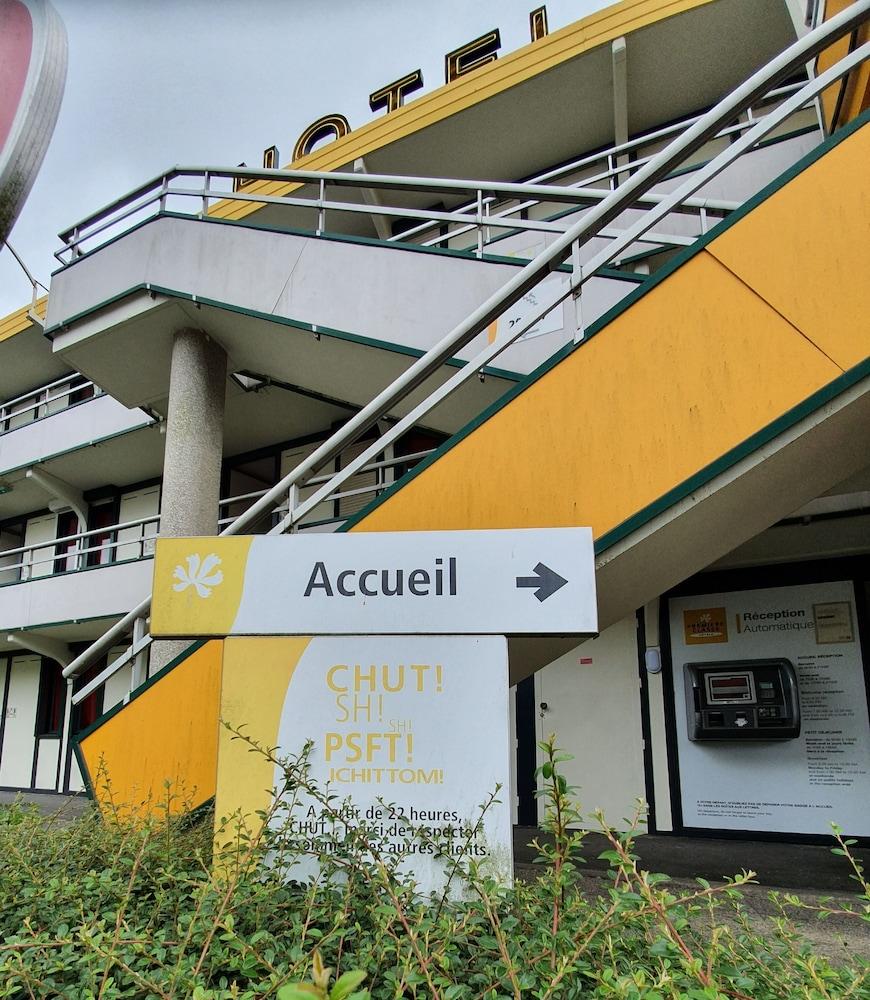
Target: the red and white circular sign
(33, 59)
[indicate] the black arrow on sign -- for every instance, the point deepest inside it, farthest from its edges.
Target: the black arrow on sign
(546, 582)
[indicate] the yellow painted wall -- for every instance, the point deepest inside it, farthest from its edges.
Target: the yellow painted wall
(770, 312)
(169, 733)
(806, 251)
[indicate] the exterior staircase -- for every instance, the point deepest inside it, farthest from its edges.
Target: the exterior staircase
(713, 399)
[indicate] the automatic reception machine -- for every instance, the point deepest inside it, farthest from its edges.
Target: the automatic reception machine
(738, 700)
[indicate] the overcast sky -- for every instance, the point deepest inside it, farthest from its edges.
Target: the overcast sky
(153, 83)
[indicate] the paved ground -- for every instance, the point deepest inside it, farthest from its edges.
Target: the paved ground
(779, 865)
(65, 806)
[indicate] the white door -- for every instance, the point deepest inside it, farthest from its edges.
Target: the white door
(40, 562)
(592, 699)
(138, 541)
(16, 753)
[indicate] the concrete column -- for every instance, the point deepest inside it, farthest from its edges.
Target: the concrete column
(194, 448)
(194, 436)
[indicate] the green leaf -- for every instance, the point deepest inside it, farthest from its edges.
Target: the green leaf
(297, 991)
(346, 984)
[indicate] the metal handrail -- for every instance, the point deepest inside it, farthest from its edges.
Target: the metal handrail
(583, 198)
(614, 171)
(43, 388)
(382, 464)
(77, 550)
(154, 519)
(157, 189)
(7, 413)
(581, 275)
(543, 264)
(81, 534)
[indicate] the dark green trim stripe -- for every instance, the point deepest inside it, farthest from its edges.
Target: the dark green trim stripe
(329, 237)
(467, 255)
(117, 616)
(83, 768)
(320, 331)
(624, 304)
(115, 709)
(54, 413)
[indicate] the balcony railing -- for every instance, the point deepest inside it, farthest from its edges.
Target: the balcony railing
(134, 539)
(492, 211)
(85, 549)
(45, 401)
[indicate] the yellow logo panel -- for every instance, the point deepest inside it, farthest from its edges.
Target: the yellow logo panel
(705, 625)
(198, 584)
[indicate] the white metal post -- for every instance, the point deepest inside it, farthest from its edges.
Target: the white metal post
(67, 732)
(139, 671)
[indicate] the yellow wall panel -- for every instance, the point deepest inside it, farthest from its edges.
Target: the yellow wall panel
(689, 371)
(169, 733)
(805, 250)
(245, 777)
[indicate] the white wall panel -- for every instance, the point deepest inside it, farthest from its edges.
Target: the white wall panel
(46, 762)
(67, 429)
(94, 593)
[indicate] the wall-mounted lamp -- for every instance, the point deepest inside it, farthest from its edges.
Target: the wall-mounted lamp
(652, 657)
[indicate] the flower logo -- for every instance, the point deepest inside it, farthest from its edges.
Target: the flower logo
(201, 574)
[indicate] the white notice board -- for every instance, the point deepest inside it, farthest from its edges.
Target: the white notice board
(793, 786)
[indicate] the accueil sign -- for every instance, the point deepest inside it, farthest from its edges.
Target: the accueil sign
(383, 656)
(390, 97)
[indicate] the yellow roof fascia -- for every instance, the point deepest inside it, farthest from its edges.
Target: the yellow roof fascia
(20, 320)
(495, 78)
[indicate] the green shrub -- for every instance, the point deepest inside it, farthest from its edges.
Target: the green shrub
(109, 908)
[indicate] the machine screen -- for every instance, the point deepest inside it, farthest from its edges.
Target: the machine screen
(729, 689)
